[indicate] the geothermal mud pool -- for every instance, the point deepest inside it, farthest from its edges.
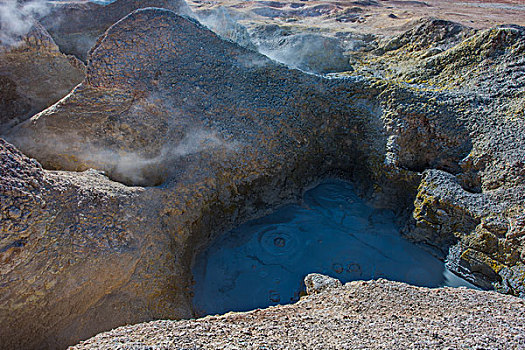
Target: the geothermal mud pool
(333, 232)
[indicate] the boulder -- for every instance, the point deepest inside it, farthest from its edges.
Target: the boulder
(316, 283)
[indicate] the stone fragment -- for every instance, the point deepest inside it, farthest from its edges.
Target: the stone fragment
(316, 283)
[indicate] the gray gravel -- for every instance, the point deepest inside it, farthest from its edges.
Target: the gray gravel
(359, 315)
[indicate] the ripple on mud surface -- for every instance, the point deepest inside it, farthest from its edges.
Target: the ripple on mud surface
(334, 232)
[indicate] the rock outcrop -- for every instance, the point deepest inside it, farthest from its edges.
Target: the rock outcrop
(211, 134)
(33, 75)
(154, 109)
(155, 94)
(76, 25)
(483, 230)
(359, 315)
(65, 245)
(481, 74)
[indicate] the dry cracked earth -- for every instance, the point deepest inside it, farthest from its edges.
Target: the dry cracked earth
(135, 132)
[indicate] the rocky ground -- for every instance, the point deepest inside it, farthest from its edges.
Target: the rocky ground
(176, 135)
(318, 35)
(383, 17)
(359, 315)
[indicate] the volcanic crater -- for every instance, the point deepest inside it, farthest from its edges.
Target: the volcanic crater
(178, 134)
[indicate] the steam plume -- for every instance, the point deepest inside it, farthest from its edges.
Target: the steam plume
(17, 18)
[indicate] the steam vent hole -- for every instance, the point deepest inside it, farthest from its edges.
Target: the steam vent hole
(333, 232)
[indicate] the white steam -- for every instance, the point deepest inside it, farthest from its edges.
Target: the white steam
(309, 52)
(135, 169)
(75, 153)
(17, 18)
(128, 167)
(225, 23)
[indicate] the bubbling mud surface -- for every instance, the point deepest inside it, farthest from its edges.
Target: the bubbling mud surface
(333, 232)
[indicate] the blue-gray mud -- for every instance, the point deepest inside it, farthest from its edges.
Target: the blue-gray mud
(333, 232)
